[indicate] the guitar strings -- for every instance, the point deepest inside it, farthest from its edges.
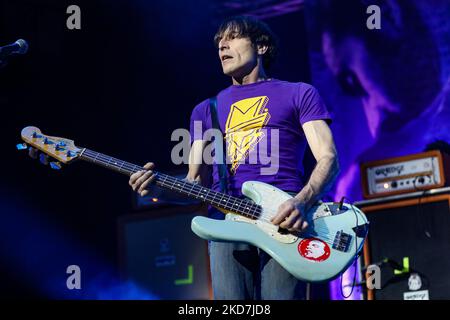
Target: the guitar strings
(322, 233)
(132, 168)
(249, 208)
(242, 204)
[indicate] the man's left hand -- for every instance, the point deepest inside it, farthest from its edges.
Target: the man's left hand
(291, 215)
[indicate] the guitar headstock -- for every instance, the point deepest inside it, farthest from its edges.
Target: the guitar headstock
(61, 149)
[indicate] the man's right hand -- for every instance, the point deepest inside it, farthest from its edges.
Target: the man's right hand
(141, 179)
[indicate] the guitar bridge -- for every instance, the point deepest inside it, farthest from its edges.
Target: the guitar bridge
(342, 241)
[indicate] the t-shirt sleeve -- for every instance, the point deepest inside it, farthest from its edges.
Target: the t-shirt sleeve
(311, 106)
(199, 121)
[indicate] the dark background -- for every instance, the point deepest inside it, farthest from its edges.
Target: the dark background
(120, 86)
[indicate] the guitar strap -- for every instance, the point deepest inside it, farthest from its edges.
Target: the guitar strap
(219, 147)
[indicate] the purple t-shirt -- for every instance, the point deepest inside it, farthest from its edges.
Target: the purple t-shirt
(262, 125)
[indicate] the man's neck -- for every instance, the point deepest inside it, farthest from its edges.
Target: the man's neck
(256, 75)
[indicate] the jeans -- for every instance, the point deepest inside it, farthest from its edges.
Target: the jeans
(241, 271)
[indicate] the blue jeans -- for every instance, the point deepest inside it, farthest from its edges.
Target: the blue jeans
(241, 271)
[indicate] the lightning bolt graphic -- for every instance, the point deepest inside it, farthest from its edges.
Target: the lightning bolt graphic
(243, 128)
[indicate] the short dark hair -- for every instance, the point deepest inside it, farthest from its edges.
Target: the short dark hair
(256, 30)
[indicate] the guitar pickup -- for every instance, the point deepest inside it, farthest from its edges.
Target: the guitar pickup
(342, 241)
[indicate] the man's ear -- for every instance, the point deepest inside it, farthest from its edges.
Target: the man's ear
(261, 49)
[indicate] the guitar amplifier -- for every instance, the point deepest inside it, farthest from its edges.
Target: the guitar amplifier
(159, 252)
(421, 171)
(410, 243)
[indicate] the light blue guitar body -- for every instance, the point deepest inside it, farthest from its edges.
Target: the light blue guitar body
(322, 252)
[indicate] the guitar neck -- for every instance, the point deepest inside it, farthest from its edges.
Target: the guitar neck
(229, 203)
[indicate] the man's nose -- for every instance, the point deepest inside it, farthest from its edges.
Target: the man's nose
(223, 44)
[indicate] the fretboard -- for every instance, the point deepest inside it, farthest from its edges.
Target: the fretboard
(240, 206)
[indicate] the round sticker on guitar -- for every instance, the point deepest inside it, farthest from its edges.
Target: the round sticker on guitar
(314, 249)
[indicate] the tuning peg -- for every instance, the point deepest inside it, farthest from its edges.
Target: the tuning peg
(35, 135)
(59, 147)
(43, 158)
(55, 165)
(46, 141)
(21, 146)
(33, 152)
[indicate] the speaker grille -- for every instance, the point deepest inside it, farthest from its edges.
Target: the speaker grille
(419, 230)
(160, 253)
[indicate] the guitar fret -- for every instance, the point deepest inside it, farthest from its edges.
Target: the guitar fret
(222, 199)
(228, 199)
(162, 180)
(170, 186)
(184, 186)
(205, 190)
(121, 165)
(189, 192)
(198, 191)
(214, 198)
(234, 204)
(113, 162)
(212, 194)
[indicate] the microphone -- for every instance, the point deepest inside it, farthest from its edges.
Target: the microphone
(18, 47)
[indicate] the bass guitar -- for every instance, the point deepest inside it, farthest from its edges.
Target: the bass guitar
(325, 249)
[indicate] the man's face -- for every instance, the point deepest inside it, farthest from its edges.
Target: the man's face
(315, 249)
(237, 55)
(351, 64)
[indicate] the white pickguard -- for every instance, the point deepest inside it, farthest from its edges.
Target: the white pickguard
(269, 198)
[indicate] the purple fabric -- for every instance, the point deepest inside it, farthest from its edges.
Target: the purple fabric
(248, 114)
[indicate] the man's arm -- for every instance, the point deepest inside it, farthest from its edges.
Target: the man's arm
(196, 166)
(320, 140)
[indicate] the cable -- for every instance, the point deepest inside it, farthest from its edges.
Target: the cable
(355, 257)
(419, 206)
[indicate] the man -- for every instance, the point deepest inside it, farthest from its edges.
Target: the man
(290, 112)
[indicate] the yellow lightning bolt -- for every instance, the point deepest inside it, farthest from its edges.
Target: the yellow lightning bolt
(243, 128)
